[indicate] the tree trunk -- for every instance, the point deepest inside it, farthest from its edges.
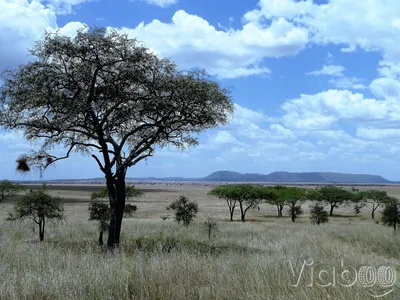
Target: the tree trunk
(331, 211)
(374, 208)
(280, 211)
(242, 212)
(112, 195)
(231, 211)
(101, 238)
(117, 209)
(41, 229)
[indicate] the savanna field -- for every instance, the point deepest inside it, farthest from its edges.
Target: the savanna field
(159, 259)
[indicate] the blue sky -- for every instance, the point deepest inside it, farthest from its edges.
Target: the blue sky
(316, 83)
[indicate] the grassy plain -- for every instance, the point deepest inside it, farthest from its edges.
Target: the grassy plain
(161, 260)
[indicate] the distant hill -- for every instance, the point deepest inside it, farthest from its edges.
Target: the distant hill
(317, 177)
(282, 177)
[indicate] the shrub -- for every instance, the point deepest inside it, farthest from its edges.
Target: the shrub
(185, 211)
(130, 209)
(100, 211)
(391, 214)
(318, 215)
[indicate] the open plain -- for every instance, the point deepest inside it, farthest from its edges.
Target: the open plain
(263, 258)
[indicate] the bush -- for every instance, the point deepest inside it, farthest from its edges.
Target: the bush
(318, 215)
(391, 214)
(130, 209)
(185, 211)
(100, 211)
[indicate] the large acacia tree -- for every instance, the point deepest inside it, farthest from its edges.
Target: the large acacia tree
(105, 95)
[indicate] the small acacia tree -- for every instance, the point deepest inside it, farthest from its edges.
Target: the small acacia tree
(374, 198)
(332, 196)
(38, 206)
(105, 95)
(9, 189)
(391, 213)
(318, 214)
(185, 210)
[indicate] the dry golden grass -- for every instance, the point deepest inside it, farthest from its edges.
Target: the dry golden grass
(242, 261)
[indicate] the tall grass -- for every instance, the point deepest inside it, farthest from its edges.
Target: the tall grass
(161, 260)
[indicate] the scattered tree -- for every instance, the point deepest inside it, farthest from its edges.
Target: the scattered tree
(293, 197)
(102, 93)
(185, 211)
(318, 215)
(373, 197)
(245, 196)
(391, 213)
(274, 197)
(332, 196)
(38, 206)
(9, 189)
(228, 193)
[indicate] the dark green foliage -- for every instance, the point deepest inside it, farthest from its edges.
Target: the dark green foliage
(185, 211)
(105, 95)
(9, 189)
(38, 205)
(318, 215)
(391, 213)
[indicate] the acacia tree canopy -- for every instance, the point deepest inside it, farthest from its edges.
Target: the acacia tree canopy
(373, 197)
(107, 96)
(332, 196)
(38, 206)
(245, 196)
